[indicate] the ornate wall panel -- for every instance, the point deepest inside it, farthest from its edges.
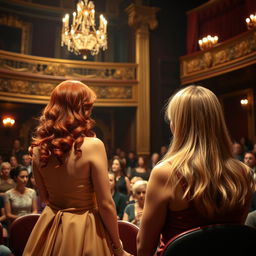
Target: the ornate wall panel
(25, 78)
(231, 55)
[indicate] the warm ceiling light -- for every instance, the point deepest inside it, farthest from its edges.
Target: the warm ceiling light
(8, 121)
(82, 37)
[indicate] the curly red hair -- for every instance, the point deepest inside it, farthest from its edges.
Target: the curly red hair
(65, 121)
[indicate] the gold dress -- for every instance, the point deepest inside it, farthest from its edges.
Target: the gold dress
(70, 224)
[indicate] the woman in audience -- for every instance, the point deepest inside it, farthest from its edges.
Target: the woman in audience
(198, 182)
(20, 200)
(140, 170)
(70, 168)
(6, 182)
(14, 162)
(131, 197)
(119, 198)
(133, 211)
(122, 181)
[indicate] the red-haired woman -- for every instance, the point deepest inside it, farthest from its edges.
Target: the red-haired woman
(70, 168)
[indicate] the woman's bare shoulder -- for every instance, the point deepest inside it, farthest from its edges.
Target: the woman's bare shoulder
(92, 145)
(161, 170)
(92, 141)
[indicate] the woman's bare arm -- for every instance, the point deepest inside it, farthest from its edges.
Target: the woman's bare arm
(96, 153)
(154, 213)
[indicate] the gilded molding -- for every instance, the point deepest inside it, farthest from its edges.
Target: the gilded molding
(55, 67)
(26, 87)
(140, 16)
(230, 55)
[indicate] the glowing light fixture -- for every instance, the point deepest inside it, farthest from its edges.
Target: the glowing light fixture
(208, 42)
(251, 21)
(244, 102)
(82, 37)
(8, 121)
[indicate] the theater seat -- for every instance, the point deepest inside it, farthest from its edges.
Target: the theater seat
(219, 239)
(128, 233)
(20, 230)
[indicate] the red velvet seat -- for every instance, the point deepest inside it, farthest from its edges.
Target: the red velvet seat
(20, 230)
(128, 233)
(219, 240)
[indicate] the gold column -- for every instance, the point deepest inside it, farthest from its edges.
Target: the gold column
(142, 18)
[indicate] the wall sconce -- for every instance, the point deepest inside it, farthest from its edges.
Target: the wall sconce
(8, 121)
(207, 42)
(244, 103)
(251, 21)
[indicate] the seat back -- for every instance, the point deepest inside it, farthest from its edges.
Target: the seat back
(20, 230)
(128, 234)
(221, 239)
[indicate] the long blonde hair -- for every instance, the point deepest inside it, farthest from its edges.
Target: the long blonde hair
(200, 153)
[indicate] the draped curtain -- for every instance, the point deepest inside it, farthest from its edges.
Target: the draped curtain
(224, 18)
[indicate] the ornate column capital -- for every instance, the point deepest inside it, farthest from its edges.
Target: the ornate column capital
(141, 16)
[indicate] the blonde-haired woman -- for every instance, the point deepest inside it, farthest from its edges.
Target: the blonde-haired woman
(198, 182)
(133, 211)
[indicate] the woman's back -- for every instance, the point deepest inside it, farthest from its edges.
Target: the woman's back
(183, 214)
(70, 185)
(198, 182)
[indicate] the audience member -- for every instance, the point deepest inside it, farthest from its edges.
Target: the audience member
(70, 167)
(13, 162)
(163, 151)
(6, 182)
(133, 211)
(155, 157)
(3, 220)
(131, 160)
(122, 156)
(245, 144)
(198, 182)
(254, 148)
(250, 160)
(17, 150)
(20, 200)
(26, 161)
(122, 181)
(131, 197)
(237, 151)
(119, 198)
(140, 170)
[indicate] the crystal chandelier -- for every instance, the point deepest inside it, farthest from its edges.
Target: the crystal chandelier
(82, 37)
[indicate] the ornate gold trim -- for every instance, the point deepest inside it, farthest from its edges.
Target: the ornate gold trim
(231, 55)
